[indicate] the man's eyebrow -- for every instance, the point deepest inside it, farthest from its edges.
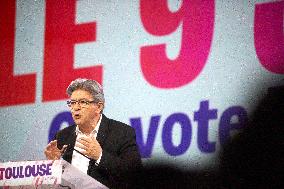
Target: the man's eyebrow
(80, 99)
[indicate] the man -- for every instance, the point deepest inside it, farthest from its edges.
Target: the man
(103, 148)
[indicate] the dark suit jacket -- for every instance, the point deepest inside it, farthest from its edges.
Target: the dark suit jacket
(120, 157)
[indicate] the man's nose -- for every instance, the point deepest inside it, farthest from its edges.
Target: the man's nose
(77, 106)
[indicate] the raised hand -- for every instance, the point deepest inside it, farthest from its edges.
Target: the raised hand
(52, 152)
(90, 147)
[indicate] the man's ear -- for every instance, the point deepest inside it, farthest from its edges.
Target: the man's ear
(101, 106)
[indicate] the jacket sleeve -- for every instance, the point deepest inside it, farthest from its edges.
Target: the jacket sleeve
(126, 162)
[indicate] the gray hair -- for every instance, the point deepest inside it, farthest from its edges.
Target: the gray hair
(92, 86)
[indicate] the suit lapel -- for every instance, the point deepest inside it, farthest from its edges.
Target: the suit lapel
(70, 141)
(71, 138)
(103, 130)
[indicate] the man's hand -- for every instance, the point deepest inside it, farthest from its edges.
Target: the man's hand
(52, 152)
(90, 147)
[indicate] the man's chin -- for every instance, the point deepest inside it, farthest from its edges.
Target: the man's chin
(77, 122)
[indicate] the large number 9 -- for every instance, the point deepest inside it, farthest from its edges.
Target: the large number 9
(197, 19)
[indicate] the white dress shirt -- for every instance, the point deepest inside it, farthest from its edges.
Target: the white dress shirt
(78, 160)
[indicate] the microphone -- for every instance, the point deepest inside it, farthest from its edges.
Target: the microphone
(65, 150)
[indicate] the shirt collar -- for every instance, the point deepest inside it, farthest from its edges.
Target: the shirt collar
(95, 131)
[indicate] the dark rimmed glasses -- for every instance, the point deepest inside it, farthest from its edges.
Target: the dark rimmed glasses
(82, 103)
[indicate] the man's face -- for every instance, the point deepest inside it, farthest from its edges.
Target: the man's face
(84, 114)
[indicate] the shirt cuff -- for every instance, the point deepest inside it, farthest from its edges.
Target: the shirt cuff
(98, 160)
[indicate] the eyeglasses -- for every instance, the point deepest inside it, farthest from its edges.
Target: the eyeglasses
(83, 103)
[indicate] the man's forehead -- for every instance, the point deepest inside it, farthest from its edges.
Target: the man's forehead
(81, 93)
